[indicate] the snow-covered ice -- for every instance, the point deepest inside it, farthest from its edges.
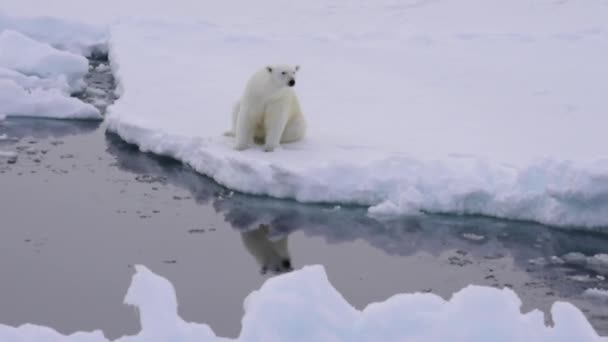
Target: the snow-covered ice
(304, 306)
(597, 263)
(600, 294)
(470, 107)
(486, 115)
(61, 33)
(30, 57)
(37, 79)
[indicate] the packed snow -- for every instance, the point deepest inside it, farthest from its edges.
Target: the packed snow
(472, 116)
(36, 79)
(303, 306)
(472, 107)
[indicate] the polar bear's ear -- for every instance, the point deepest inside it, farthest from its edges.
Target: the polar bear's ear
(269, 68)
(297, 67)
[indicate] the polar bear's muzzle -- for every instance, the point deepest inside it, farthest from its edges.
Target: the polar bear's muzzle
(291, 83)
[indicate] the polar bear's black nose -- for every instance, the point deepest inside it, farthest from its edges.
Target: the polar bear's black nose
(291, 83)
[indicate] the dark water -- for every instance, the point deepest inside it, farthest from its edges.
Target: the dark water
(79, 207)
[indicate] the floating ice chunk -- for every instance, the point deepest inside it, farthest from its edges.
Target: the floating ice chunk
(102, 68)
(473, 237)
(303, 306)
(596, 293)
(52, 103)
(575, 258)
(8, 154)
(33, 58)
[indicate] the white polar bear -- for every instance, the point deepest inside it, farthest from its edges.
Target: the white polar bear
(269, 110)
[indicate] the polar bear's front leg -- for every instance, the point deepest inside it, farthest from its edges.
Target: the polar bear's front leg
(245, 126)
(275, 123)
(235, 113)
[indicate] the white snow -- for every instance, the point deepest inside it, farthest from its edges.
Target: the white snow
(61, 33)
(37, 102)
(304, 306)
(471, 107)
(29, 57)
(408, 112)
(37, 79)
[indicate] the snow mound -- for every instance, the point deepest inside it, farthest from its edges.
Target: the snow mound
(38, 102)
(30, 57)
(61, 33)
(37, 79)
(304, 306)
(406, 116)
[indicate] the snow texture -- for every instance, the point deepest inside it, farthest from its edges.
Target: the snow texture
(304, 306)
(61, 33)
(412, 108)
(472, 107)
(37, 79)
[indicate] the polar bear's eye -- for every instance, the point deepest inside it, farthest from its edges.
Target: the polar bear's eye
(283, 73)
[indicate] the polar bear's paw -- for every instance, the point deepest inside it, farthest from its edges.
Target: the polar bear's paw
(241, 147)
(269, 148)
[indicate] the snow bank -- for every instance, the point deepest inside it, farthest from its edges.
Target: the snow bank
(37, 79)
(18, 101)
(468, 107)
(462, 108)
(61, 33)
(304, 306)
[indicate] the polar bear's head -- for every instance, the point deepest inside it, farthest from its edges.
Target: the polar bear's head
(272, 254)
(283, 75)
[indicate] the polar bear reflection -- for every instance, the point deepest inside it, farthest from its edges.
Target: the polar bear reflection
(271, 254)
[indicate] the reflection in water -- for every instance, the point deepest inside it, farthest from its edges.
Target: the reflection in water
(434, 234)
(262, 220)
(271, 253)
(40, 128)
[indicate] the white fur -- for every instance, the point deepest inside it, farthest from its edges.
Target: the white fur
(271, 255)
(269, 110)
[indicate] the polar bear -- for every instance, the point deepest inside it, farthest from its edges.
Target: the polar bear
(269, 111)
(271, 254)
